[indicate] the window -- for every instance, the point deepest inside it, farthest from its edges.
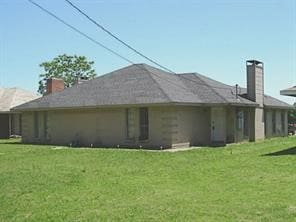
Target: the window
(246, 124)
(144, 124)
(283, 125)
(21, 126)
(240, 120)
(36, 124)
(12, 121)
(273, 122)
(45, 125)
(129, 124)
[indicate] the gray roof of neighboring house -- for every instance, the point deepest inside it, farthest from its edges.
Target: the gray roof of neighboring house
(11, 97)
(141, 84)
(289, 92)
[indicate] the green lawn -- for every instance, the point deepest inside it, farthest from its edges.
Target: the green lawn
(235, 183)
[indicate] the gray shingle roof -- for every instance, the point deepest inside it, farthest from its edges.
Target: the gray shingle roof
(141, 84)
(289, 92)
(275, 103)
(213, 91)
(11, 97)
(269, 101)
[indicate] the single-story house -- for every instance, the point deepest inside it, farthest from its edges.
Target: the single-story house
(289, 92)
(10, 121)
(142, 106)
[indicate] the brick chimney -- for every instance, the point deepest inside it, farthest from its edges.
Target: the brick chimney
(255, 81)
(54, 85)
(255, 93)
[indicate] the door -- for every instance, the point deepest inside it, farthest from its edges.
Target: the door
(4, 126)
(218, 125)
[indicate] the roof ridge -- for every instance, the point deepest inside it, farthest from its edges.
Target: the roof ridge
(214, 80)
(112, 72)
(193, 74)
(149, 73)
(210, 87)
(140, 84)
(91, 81)
(226, 86)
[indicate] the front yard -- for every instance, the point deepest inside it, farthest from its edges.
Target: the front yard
(246, 182)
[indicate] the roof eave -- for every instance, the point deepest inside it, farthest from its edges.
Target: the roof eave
(20, 109)
(279, 107)
(288, 93)
(5, 112)
(244, 104)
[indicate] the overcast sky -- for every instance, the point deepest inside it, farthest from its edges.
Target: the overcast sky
(213, 38)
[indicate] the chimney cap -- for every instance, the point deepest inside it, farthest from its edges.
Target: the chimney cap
(54, 78)
(254, 62)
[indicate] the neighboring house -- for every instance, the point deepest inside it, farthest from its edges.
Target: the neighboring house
(289, 92)
(142, 106)
(10, 122)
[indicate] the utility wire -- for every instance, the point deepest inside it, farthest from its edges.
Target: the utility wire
(80, 32)
(124, 43)
(120, 56)
(95, 41)
(117, 38)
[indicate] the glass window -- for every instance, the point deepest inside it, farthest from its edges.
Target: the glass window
(240, 120)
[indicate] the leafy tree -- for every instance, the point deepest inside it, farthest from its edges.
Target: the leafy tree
(68, 68)
(292, 120)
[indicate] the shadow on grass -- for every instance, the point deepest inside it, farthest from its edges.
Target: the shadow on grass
(289, 151)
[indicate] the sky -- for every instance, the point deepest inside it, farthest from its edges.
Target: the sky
(213, 38)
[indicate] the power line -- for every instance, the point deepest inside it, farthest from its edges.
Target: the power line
(80, 32)
(124, 43)
(117, 38)
(93, 40)
(120, 56)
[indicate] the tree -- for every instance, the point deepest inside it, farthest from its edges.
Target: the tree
(292, 119)
(68, 68)
(292, 115)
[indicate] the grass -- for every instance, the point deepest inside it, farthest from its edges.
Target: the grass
(246, 182)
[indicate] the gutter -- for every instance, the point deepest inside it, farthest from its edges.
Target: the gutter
(18, 110)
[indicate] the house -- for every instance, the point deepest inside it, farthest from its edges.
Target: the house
(10, 121)
(142, 106)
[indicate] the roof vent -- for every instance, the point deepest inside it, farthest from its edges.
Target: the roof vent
(80, 80)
